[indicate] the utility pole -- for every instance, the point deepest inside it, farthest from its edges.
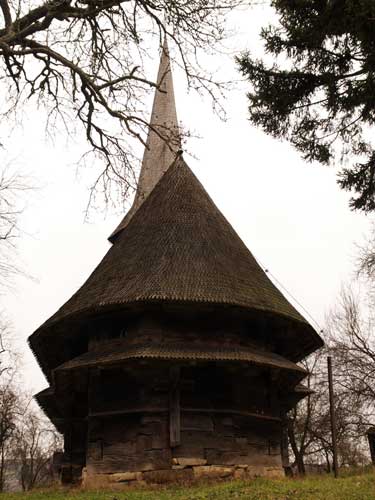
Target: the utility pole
(333, 416)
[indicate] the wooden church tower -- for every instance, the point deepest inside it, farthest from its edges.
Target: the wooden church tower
(177, 357)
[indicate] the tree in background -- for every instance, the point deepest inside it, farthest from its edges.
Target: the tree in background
(27, 439)
(352, 344)
(9, 412)
(309, 425)
(309, 415)
(13, 186)
(83, 60)
(316, 86)
(12, 189)
(34, 443)
(6, 354)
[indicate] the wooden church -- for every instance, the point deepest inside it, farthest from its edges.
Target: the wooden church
(176, 359)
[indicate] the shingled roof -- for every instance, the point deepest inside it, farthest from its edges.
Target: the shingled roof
(178, 247)
(118, 351)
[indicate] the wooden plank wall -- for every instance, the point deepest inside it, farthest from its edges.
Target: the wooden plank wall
(188, 417)
(141, 443)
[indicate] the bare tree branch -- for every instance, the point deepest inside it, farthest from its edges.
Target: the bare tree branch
(13, 186)
(86, 62)
(4, 5)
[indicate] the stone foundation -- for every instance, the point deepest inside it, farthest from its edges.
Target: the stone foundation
(179, 473)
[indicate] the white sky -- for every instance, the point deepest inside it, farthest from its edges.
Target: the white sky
(290, 214)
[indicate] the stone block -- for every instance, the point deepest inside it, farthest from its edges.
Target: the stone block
(167, 476)
(239, 473)
(189, 461)
(125, 476)
(213, 471)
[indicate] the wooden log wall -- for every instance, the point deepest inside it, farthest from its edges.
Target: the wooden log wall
(142, 443)
(156, 329)
(130, 443)
(171, 417)
(143, 416)
(228, 440)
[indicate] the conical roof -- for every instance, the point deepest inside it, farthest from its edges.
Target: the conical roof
(163, 141)
(178, 247)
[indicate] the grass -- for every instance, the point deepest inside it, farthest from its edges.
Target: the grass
(353, 487)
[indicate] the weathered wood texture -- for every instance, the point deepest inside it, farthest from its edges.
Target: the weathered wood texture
(130, 443)
(152, 415)
(141, 443)
(174, 407)
(75, 447)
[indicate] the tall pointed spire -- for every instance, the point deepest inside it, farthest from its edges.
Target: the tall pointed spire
(163, 141)
(159, 154)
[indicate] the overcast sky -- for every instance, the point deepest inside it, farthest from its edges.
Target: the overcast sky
(290, 214)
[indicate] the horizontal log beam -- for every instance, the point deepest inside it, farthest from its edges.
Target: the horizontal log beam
(127, 412)
(259, 416)
(241, 413)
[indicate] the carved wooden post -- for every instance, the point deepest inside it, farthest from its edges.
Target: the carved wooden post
(174, 407)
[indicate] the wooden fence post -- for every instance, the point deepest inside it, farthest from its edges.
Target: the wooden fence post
(333, 416)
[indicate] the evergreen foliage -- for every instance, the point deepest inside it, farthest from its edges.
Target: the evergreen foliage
(320, 92)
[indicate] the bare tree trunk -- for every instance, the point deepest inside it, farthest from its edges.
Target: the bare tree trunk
(298, 454)
(23, 477)
(2, 465)
(300, 464)
(328, 463)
